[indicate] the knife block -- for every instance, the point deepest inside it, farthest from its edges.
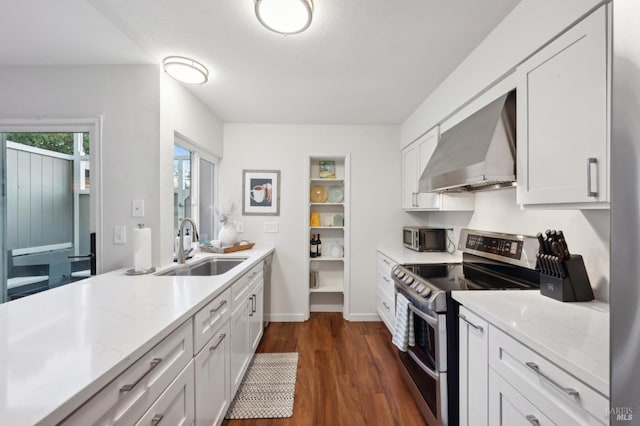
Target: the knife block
(574, 286)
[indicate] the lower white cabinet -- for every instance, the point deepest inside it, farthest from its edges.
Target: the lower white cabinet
(175, 405)
(509, 408)
(474, 367)
(386, 301)
(212, 379)
(129, 396)
(504, 382)
(246, 331)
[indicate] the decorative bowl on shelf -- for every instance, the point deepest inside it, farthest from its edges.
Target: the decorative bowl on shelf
(335, 194)
(318, 194)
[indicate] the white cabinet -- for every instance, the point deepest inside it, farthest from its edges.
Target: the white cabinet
(509, 408)
(385, 297)
(504, 382)
(474, 366)
(414, 160)
(212, 379)
(130, 395)
(175, 407)
(563, 119)
(246, 331)
(562, 397)
(328, 215)
(256, 317)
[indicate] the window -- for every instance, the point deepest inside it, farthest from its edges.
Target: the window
(194, 176)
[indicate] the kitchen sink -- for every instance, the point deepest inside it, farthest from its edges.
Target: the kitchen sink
(205, 267)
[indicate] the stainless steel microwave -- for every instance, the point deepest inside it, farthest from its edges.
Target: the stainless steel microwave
(424, 239)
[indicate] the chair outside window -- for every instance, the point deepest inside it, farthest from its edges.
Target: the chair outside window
(23, 280)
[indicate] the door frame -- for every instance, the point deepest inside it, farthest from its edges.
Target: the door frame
(93, 126)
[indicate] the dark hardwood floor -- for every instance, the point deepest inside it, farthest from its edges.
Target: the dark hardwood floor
(347, 374)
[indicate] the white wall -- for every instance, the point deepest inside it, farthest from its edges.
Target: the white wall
(530, 25)
(375, 201)
(182, 112)
(587, 231)
(127, 97)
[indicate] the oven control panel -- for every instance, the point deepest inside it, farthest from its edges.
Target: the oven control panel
(504, 247)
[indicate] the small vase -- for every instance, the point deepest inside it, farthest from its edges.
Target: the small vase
(228, 235)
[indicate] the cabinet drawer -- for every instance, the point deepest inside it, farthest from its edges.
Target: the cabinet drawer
(386, 309)
(176, 404)
(384, 264)
(128, 396)
(241, 288)
(208, 319)
(561, 396)
(386, 282)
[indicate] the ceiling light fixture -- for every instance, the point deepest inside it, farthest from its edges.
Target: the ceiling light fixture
(185, 70)
(285, 16)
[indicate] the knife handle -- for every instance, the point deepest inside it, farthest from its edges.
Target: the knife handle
(541, 242)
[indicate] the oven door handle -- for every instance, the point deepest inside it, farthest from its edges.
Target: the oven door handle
(432, 373)
(428, 318)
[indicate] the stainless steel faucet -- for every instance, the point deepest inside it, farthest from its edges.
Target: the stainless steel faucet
(181, 253)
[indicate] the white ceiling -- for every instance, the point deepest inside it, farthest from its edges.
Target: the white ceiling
(361, 61)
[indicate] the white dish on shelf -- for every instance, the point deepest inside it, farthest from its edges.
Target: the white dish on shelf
(335, 194)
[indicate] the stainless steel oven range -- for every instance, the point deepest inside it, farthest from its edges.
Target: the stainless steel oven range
(430, 367)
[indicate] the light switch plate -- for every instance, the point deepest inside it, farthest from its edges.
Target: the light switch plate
(270, 227)
(119, 234)
(137, 208)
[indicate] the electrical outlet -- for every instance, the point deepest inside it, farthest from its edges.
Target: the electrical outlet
(270, 227)
(137, 208)
(239, 226)
(119, 234)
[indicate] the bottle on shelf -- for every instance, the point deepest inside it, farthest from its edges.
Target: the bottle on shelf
(318, 246)
(312, 246)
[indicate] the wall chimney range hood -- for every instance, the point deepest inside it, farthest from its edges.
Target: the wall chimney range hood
(476, 154)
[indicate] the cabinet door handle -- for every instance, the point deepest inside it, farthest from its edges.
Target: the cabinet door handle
(251, 313)
(536, 369)
(154, 363)
(386, 261)
(214, 310)
(591, 163)
(156, 419)
(385, 305)
(254, 303)
(477, 327)
(533, 420)
(220, 339)
(415, 197)
(386, 279)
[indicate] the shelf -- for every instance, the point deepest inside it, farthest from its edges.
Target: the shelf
(326, 259)
(326, 204)
(326, 227)
(320, 180)
(336, 288)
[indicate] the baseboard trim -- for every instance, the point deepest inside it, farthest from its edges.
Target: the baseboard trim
(286, 318)
(364, 317)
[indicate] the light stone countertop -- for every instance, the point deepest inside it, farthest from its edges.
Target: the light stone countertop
(574, 336)
(61, 346)
(404, 256)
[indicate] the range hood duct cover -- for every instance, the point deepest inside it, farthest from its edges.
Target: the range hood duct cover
(477, 153)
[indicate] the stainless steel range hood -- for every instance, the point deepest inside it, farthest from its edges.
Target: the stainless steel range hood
(477, 153)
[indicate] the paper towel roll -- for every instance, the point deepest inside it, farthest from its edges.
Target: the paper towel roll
(141, 249)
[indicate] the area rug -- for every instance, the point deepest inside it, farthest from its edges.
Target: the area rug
(267, 389)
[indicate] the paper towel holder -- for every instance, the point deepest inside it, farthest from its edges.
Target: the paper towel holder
(133, 271)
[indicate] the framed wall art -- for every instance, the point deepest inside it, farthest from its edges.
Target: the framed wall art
(261, 192)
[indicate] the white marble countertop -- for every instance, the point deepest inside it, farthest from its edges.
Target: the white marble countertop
(575, 336)
(404, 256)
(61, 346)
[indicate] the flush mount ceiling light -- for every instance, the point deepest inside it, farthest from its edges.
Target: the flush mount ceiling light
(285, 16)
(185, 70)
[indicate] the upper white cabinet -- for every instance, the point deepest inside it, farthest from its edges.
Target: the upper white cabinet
(563, 119)
(414, 160)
